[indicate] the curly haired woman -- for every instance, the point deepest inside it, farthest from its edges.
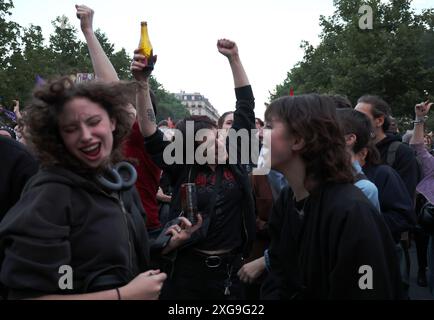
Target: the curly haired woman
(81, 210)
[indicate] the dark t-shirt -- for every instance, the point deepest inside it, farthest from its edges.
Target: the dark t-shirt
(225, 230)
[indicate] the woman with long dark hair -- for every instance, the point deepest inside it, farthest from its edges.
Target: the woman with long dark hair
(223, 191)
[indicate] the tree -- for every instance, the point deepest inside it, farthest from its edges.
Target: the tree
(68, 53)
(24, 56)
(167, 104)
(9, 32)
(394, 60)
(121, 62)
(9, 48)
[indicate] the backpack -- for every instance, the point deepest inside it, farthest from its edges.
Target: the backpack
(391, 157)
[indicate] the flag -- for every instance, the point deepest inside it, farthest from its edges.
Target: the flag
(39, 81)
(9, 115)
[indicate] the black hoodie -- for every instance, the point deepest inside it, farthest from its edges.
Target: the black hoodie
(65, 219)
(322, 254)
(395, 202)
(405, 162)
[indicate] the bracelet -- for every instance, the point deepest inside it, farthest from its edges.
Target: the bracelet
(420, 119)
(119, 293)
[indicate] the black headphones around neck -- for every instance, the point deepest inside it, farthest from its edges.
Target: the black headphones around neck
(120, 177)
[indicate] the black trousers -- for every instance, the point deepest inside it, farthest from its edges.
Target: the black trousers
(192, 279)
(421, 239)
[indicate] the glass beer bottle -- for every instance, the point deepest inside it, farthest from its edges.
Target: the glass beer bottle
(145, 46)
(189, 202)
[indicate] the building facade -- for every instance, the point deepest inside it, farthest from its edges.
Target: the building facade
(198, 105)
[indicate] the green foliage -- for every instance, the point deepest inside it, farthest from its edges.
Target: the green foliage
(395, 59)
(168, 104)
(24, 55)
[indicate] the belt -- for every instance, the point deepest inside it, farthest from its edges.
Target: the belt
(216, 260)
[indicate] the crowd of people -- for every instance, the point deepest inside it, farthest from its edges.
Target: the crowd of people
(85, 183)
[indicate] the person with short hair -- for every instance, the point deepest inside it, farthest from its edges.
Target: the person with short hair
(324, 231)
(404, 160)
(357, 129)
(396, 154)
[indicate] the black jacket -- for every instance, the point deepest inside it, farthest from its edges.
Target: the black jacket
(65, 219)
(395, 202)
(17, 166)
(320, 256)
(244, 118)
(405, 163)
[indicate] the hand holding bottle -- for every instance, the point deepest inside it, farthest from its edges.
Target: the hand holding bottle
(139, 66)
(144, 59)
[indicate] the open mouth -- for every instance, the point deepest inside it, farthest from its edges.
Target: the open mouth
(92, 151)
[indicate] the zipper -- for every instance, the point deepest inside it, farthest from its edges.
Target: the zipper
(245, 229)
(130, 253)
(119, 200)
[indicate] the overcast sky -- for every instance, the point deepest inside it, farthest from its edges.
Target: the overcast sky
(184, 34)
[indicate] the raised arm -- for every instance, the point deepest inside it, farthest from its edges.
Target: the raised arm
(417, 143)
(145, 111)
(229, 49)
(421, 111)
(102, 66)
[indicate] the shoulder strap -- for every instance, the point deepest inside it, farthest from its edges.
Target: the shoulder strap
(360, 176)
(391, 152)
